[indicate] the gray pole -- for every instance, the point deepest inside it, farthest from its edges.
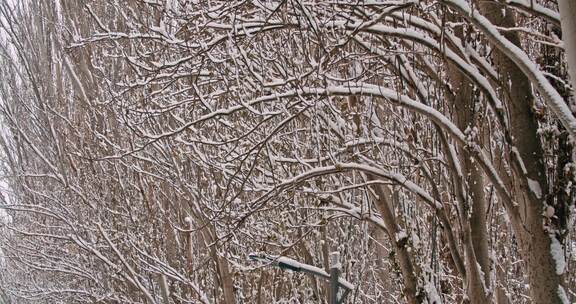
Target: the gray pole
(334, 273)
(332, 276)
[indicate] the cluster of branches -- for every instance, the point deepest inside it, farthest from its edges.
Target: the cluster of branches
(150, 146)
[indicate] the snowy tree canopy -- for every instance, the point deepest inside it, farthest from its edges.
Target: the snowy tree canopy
(149, 147)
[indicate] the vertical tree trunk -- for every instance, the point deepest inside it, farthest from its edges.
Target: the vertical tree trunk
(464, 103)
(223, 268)
(568, 23)
(399, 241)
(464, 109)
(530, 186)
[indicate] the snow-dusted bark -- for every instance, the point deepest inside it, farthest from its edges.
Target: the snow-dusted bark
(530, 178)
(521, 59)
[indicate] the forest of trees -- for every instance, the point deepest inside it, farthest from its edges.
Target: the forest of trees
(149, 146)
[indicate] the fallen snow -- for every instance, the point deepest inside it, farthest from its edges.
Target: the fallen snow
(535, 187)
(5, 218)
(401, 235)
(433, 297)
(557, 255)
(2, 259)
(562, 295)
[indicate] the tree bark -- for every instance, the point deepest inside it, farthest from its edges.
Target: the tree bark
(535, 240)
(464, 109)
(474, 227)
(568, 23)
(399, 241)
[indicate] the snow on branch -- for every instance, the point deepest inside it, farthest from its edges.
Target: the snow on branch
(521, 59)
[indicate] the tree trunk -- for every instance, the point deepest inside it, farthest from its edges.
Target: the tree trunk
(531, 184)
(475, 229)
(464, 105)
(568, 23)
(399, 241)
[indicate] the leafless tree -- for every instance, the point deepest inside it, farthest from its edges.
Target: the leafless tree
(150, 146)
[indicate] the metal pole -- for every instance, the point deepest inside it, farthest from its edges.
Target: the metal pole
(332, 276)
(334, 273)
